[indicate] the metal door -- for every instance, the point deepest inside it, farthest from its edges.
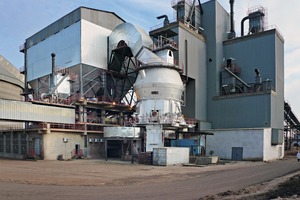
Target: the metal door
(237, 153)
(37, 146)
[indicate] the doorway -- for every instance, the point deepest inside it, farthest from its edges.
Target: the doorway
(237, 153)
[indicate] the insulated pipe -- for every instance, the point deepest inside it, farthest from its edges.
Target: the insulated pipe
(242, 25)
(231, 16)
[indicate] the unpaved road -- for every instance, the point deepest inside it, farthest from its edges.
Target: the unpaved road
(96, 179)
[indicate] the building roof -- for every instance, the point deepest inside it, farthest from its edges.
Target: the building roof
(9, 73)
(106, 19)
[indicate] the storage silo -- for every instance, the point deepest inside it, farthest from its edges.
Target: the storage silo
(11, 87)
(11, 81)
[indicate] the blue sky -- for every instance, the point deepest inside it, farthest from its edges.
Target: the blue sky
(20, 19)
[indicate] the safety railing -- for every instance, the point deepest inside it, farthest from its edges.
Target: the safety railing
(167, 118)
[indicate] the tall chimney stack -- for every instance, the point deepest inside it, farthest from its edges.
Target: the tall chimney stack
(232, 31)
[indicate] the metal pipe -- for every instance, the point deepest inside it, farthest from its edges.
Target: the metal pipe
(189, 18)
(238, 78)
(25, 73)
(186, 60)
(166, 20)
(242, 25)
(52, 71)
(200, 7)
(231, 16)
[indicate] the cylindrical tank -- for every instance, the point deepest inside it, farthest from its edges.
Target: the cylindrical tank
(11, 81)
(159, 91)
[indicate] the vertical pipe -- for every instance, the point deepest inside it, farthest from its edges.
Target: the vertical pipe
(186, 59)
(25, 73)
(231, 16)
(80, 81)
(52, 71)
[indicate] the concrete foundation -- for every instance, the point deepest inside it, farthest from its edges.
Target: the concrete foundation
(207, 160)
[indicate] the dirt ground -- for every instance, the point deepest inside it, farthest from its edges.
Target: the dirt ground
(99, 173)
(286, 187)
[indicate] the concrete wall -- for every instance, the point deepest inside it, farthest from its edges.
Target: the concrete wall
(54, 144)
(222, 141)
(95, 146)
(256, 144)
(47, 146)
(271, 152)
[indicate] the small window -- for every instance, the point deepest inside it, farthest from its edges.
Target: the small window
(170, 54)
(154, 92)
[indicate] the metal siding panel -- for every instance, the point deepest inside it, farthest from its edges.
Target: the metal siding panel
(53, 28)
(25, 111)
(242, 112)
(105, 19)
(254, 52)
(67, 55)
(94, 44)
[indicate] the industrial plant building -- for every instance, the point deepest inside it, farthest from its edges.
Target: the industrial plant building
(96, 86)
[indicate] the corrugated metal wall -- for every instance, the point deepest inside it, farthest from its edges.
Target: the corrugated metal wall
(105, 19)
(65, 44)
(241, 111)
(54, 28)
(25, 111)
(10, 91)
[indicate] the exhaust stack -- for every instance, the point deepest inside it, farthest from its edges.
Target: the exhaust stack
(232, 31)
(52, 71)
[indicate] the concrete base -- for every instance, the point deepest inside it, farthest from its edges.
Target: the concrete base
(207, 160)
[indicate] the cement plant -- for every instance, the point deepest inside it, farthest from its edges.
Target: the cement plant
(94, 86)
